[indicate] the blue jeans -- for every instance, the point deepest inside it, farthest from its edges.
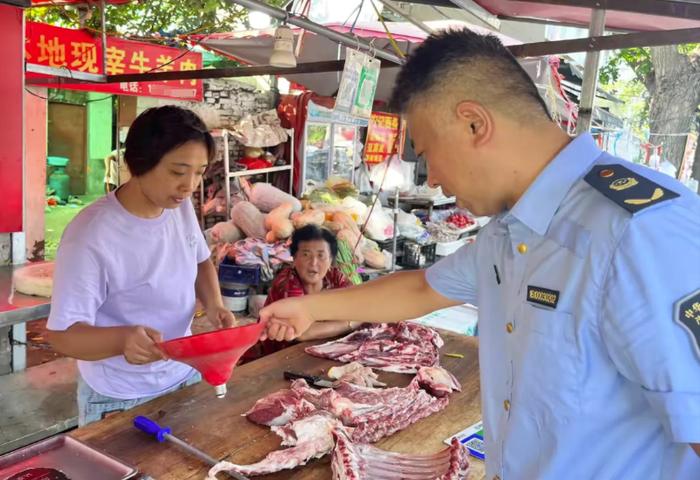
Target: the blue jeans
(93, 406)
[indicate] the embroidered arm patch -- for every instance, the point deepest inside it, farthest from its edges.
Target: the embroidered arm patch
(687, 313)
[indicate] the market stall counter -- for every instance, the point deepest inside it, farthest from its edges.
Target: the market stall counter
(16, 308)
(217, 427)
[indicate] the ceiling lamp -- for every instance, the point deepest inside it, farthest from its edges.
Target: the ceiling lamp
(283, 50)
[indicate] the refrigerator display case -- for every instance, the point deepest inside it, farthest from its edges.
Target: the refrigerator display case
(330, 145)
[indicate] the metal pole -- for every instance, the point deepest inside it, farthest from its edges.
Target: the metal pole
(317, 28)
(401, 13)
(119, 145)
(473, 9)
(396, 223)
(590, 74)
(103, 20)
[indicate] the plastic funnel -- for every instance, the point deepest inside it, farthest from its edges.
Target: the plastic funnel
(215, 353)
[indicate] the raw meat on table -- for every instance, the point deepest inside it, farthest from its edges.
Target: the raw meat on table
(355, 373)
(376, 412)
(399, 347)
(279, 408)
(437, 381)
(361, 461)
(309, 438)
(304, 417)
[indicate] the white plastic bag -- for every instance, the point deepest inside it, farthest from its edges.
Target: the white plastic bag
(399, 174)
(380, 226)
(354, 206)
(261, 130)
(410, 226)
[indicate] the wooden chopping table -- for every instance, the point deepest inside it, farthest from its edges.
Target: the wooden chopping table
(216, 426)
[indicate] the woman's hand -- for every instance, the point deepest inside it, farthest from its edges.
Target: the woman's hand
(221, 317)
(140, 345)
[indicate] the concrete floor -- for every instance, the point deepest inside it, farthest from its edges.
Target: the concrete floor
(37, 403)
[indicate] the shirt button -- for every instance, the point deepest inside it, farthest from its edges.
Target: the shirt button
(509, 327)
(506, 405)
(522, 248)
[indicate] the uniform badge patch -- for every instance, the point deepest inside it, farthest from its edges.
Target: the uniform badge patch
(628, 189)
(688, 315)
(542, 296)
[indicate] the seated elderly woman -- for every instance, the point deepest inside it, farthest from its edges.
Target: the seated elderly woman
(314, 250)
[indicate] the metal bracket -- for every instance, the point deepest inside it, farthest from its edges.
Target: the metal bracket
(476, 11)
(64, 72)
(18, 342)
(314, 27)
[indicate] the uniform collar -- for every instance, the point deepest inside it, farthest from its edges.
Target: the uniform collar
(536, 208)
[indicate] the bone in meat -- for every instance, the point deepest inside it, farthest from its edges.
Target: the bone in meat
(311, 438)
(437, 381)
(402, 347)
(361, 461)
(356, 373)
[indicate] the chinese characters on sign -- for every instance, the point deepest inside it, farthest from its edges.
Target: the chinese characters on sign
(77, 50)
(382, 137)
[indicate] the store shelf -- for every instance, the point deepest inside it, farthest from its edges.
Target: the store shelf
(226, 137)
(259, 171)
(426, 200)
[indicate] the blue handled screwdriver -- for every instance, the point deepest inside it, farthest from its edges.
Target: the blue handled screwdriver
(162, 434)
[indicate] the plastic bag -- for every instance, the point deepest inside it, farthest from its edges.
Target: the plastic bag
(411, 226)
(261, 130)
(354, 207)
(399, 174)
(349, 80)
(380, 226)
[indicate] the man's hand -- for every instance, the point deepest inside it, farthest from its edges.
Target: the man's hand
(140, 345)
(286, 319)
(221, 317)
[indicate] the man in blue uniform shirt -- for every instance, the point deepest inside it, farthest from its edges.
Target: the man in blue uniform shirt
(587, 278)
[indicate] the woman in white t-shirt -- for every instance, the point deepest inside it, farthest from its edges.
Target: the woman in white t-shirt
(129, 267)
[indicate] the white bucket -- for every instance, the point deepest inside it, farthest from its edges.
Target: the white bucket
(255, 303)
(235, 296)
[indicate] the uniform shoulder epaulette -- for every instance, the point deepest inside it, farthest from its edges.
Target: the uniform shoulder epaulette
(626, 188)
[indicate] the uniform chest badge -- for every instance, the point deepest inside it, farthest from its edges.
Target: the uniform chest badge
(543, 296)
(687, 313)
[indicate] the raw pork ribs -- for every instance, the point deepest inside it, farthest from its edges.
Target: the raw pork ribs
(398, 347)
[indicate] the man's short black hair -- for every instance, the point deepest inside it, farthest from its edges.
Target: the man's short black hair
(159, 130)
(310, 233)
(476, 67)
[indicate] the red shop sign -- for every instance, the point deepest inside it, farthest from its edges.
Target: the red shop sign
(382, 137)
(78, 50)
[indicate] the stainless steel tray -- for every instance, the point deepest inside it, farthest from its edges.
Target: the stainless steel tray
(73, 458)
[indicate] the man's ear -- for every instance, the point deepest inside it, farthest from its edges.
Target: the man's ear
(478, 121)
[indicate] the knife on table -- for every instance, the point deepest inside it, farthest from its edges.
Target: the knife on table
(313, 380)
